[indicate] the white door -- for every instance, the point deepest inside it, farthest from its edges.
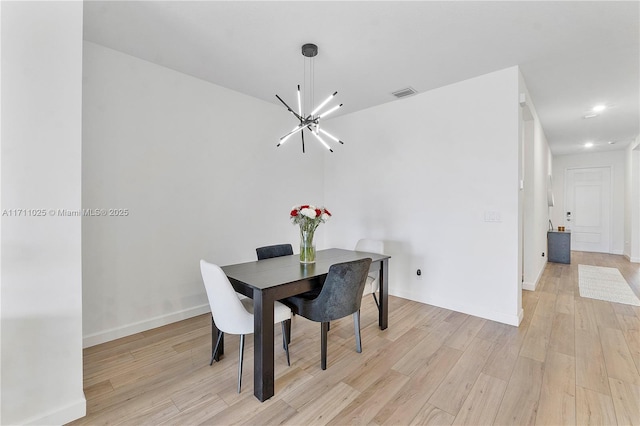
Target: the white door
(588, 208)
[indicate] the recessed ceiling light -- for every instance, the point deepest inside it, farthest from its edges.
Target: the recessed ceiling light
(588, 144)
(599, 108)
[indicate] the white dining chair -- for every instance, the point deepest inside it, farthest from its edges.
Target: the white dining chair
(373, 283)
(233, 312)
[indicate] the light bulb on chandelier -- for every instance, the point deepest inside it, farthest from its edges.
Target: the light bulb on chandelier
(311, 121)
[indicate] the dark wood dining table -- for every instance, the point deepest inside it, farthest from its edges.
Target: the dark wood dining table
(268, 280)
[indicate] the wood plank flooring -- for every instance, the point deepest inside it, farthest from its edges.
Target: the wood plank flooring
(572, 361)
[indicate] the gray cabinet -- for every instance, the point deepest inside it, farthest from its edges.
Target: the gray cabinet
(559, 246)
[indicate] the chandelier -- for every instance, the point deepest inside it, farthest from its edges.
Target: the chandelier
(311, 121)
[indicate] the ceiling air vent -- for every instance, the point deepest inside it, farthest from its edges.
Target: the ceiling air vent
(403, 93)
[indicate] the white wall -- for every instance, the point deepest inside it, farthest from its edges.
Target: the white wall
(197, 167)
(535, 207)
(420, 173)
(632, 202)
(41, 255)
(613, 159)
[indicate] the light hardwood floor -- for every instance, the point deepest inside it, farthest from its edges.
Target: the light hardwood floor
(572, 361)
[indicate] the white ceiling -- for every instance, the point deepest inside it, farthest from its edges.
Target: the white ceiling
(572, 54)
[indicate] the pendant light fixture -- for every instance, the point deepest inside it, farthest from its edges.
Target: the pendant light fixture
(311, 121)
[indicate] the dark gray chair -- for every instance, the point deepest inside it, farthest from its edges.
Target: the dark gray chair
(267, 252)
(277, 250)
(339, 297)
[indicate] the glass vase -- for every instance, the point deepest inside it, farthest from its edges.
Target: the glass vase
(307, 247)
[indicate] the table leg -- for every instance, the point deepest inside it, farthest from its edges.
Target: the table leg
(263, 364)
(215, 333)
(383, 312)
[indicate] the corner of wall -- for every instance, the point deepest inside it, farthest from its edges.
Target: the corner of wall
(63, 415)
(531, 286)
(632, 259)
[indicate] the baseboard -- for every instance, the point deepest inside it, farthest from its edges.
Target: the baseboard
(129, 329)
(61, 416)
(532, 286)
(620, 252)
(632, 259)
(465, 309)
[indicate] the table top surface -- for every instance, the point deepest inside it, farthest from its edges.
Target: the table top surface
(262, 274)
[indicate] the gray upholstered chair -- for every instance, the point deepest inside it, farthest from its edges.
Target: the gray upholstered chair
(233, 312)
(340, 296)
(267, 252)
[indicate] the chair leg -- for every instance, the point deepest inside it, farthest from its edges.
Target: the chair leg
(288, 325)
(240, 362)
(213, 339)
(356, 326)
(285, 338)
(214, 352)
(375, 299)
(323, 345)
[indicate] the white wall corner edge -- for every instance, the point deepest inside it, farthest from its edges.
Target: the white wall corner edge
(632, 259)
(532, 286)
(137, 327)
(62, 415)
(465, 309)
